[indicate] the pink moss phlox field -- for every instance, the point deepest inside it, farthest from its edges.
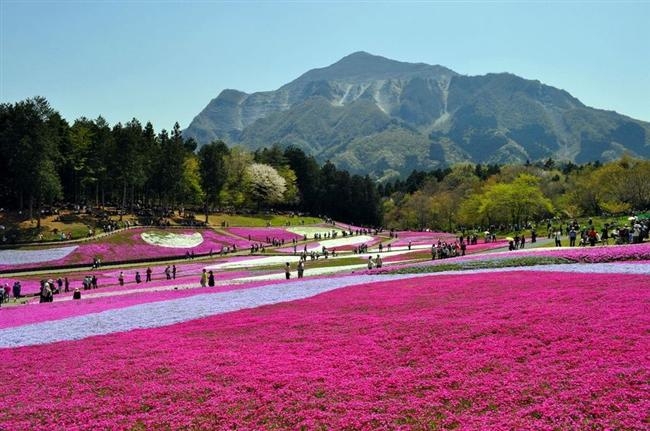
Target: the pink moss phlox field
(107, 278)
(260, 234)
(63, 306)
(507, 351)
(134, 247)
(607, 253)
(420, 238)
(598, 254)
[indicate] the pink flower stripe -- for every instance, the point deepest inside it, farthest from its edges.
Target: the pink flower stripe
(599, 254)
(107, 278)
(471, 249)
(260, 234)
(149, 292)
(132, 246)
(516, 350)
(419, 238)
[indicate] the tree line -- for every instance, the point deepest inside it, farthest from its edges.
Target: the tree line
(46, 160)
(473, 196)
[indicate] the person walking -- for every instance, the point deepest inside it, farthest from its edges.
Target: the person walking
(301, 268)
(572, 237)
(204, 278)
(287, 271)
(148, 275)
(174, 272)
(120, 278)
(378, 261)
(15, 290)
(168, 272)
(210, 279)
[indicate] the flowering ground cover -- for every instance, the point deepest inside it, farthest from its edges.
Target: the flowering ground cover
(124, 245)
(339, 244)
(95, 301)
(173, 240)
(260, 234)
(310, 231)
(107, 277)
(419, 238)
(16, 258)
(510, 350)
(599, 254)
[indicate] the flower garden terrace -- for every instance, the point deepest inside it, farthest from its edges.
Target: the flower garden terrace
(181, 246)
(548, 338)
(149, 244)
(533, 347)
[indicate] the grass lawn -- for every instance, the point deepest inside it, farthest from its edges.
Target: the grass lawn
(257, 220)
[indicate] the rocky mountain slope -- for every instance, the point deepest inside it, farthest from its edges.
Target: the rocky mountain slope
(369, 114)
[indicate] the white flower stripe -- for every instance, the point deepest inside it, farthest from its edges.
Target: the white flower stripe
(18, 257)
(174, 240)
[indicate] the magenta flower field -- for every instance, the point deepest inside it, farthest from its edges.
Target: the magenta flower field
(420, 238)
(507, 351)
(261, 234)
(126, 245)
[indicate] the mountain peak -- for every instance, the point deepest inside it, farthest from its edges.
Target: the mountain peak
(372, 115)
(361, 66)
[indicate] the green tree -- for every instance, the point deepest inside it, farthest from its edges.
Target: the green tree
(98, 161)
(30, 139)
(170, 166)
(515, 202)
(233, 193)
(128, 159)
(191, 190)
(81, 136)
(308, 178)
(213, 173)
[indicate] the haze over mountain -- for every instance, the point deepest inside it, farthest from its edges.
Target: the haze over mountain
(369, 114)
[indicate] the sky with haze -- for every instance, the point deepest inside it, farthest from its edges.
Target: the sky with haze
(163, 61)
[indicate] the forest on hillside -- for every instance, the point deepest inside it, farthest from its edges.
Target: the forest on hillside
(46, 162)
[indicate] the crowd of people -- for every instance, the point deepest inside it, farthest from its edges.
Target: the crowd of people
(577, 235)
(588, 235)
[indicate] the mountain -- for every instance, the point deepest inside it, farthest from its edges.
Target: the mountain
(370, 114)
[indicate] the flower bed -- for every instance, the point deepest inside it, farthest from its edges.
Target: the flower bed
(172, 240)
(18, 258)
(600, 254)
(347, 243)
(420, 238)
(95, 301)
(509, 351)
(261, 234)
(108, 278)
(310, 231)
(129, 245)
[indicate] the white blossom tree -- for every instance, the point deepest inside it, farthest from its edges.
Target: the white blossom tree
(265, 185)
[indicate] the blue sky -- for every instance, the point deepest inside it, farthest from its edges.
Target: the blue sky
(163, 61)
